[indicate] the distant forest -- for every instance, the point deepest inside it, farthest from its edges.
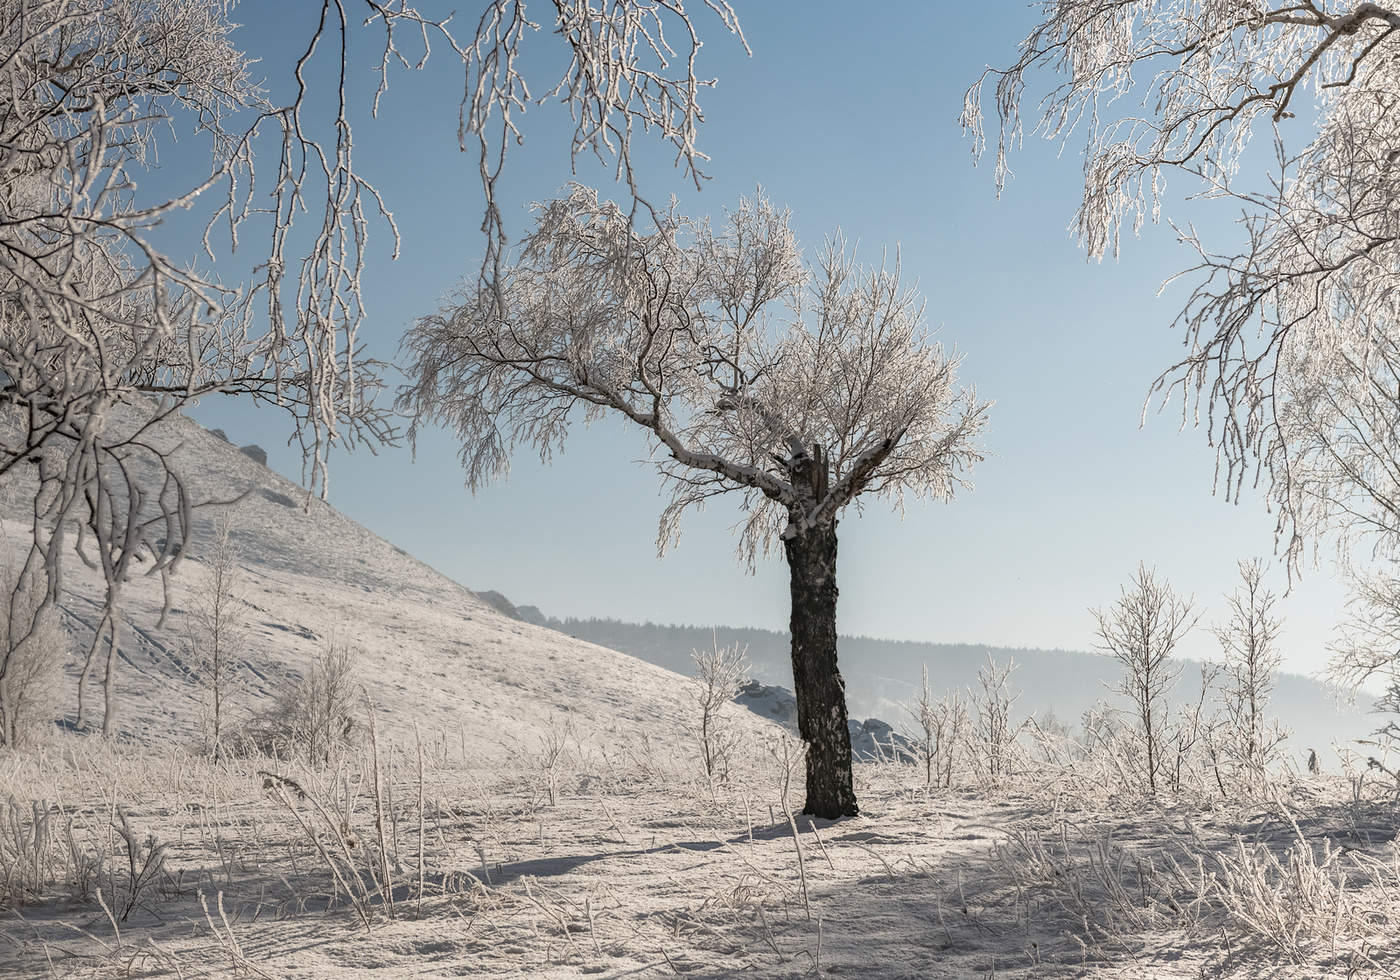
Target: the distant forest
(881, 675)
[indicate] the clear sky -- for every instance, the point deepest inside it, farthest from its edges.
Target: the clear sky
(847, 115)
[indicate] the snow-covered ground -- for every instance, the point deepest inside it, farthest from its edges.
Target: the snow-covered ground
(531, 805)
(633, 866)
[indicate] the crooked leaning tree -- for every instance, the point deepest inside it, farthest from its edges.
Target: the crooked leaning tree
(799, 390)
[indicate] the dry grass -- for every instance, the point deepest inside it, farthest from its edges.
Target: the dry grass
(394, 859)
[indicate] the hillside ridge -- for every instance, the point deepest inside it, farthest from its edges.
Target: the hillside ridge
(433, 654)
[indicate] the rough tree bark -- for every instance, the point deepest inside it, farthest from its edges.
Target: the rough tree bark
(821, 693)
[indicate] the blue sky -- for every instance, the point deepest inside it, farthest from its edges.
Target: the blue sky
(852, 122)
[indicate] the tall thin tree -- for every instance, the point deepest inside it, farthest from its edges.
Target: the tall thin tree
(218, 625)
(1249, 644)
(1140, 631)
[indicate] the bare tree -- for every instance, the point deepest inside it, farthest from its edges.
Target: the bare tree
(1338, 418)
(799, 392)
(719, 674)
(993, 735)
(940, 725)
(103, 335)
(1307, 299)
(218, 625)
(928, 735)
(1140, 631)
(1249, 644)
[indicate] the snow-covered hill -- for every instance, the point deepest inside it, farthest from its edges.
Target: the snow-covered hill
(432, 652)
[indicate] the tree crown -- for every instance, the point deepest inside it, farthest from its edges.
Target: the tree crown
(800, 387)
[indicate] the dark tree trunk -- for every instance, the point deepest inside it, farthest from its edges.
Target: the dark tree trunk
(821, 694)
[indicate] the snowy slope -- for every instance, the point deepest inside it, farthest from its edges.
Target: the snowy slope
(432, 651)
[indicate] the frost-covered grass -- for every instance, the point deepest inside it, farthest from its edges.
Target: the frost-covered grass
(641, 867)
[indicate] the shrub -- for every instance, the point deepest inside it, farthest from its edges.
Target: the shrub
(993, 737)
(939, 728)
(719, 674)
(317, 713)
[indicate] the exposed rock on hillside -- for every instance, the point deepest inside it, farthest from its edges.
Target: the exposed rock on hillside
(500, 603)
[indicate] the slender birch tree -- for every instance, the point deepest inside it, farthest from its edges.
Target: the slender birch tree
(1249, 648)
(218, 628)
(720, 673)
(798, 389)
(1299, 314)
(1140, 631)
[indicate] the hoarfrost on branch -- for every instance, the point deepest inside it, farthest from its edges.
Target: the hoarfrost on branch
(1303, 313)
(800, 389)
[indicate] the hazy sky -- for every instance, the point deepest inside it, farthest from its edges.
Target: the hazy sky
(850, 120)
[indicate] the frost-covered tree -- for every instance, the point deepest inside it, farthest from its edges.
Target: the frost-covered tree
(1140, 631)
(798, 390)
(720, 673)
(218, 628)
(103, 334)
(1249, 644)
(1339, 432)
(1300, 308)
